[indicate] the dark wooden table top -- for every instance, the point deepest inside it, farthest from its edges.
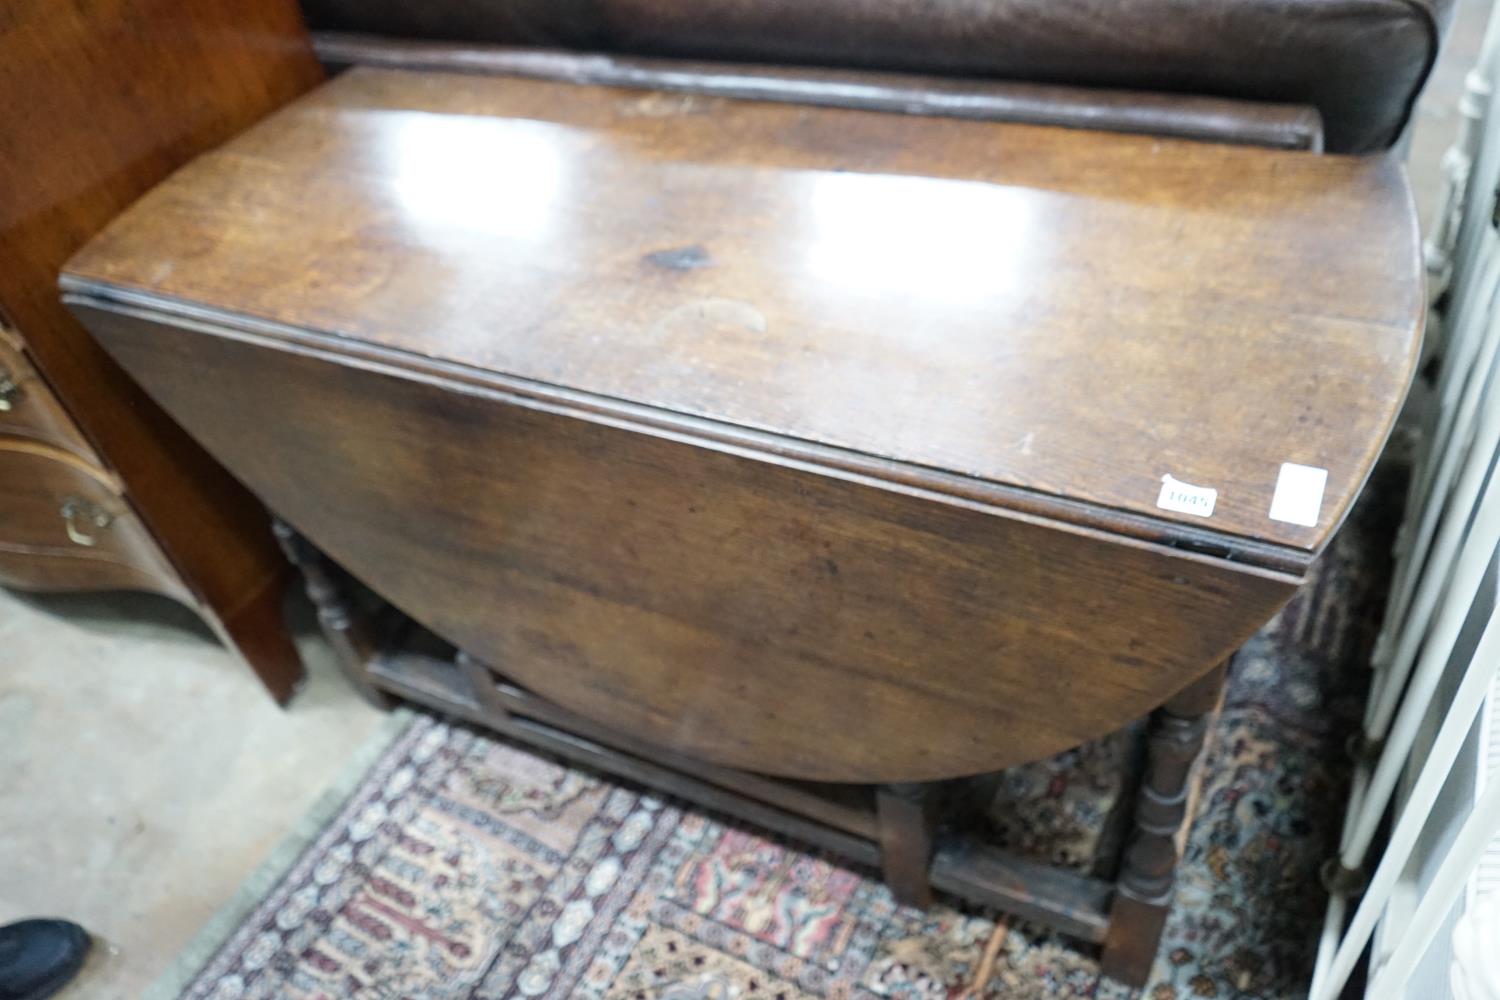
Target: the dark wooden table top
(1063, 317)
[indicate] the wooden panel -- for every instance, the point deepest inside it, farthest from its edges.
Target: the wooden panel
(746, 611)
(27, 406)
(1071, 314)
(103, 100)
(64, 526)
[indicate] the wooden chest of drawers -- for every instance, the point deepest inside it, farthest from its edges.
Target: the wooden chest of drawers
(67, 524)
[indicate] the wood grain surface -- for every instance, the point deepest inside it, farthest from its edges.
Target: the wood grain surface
(1070, 315)
(815, 442)
(743, 611)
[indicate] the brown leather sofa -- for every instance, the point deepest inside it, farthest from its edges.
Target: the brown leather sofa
(1360, 63)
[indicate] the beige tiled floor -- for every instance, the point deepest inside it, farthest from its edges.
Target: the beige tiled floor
(144, 774)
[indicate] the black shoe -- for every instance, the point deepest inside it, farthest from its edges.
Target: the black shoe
(38, 957)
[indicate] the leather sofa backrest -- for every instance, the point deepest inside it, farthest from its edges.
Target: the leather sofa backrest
(1359, 62)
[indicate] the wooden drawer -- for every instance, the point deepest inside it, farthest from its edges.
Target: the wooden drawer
(27, 407)
(65, 526)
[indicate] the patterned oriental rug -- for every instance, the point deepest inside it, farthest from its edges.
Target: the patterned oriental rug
(463, 867)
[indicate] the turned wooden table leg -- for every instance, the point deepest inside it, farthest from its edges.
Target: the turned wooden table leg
(352, 645)
(1144, 890)
(906, 814)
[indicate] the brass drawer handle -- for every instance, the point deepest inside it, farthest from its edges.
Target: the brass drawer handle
(10, 391)
(83, 519)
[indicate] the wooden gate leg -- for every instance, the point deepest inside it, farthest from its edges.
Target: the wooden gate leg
(1144, 891)
(352, 645)
(906, 815)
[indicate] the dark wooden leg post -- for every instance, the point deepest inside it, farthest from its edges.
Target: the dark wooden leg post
(257, 632)
(352, 644)
(1148, 874)
(906, 814)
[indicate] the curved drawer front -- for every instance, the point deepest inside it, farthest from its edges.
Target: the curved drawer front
(65, 526)
(27, 407)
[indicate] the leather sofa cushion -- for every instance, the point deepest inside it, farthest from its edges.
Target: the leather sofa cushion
(1360, 62)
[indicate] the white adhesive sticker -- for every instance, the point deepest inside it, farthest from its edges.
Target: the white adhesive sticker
(1299, 494)
(1185, 498)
